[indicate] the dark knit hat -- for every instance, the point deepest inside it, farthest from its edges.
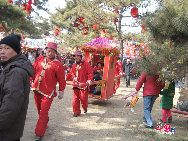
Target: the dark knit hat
(13, 41)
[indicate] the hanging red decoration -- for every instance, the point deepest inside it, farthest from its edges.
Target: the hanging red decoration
(76, 24)
(80, 20)
(116, 11)
(143, 28)
(10, 1)
(1, 28)
(29, 2)
(98, 36)
(28, 9)
(56, 31)
(6, 32)
(85, 28)
(115, 20)
(24, 5)
(95, 26)
(86, 33)
(103, 30)
(169, 45)
(111, 37)
(134, 12)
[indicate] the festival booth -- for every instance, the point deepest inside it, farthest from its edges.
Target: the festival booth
(101, 49)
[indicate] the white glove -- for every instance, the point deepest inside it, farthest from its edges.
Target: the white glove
(60, 95)
(75, 78)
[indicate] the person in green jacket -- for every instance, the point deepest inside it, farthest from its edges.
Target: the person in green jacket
(167, 101)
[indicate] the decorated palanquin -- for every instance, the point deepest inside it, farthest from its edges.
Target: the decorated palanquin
(101, 50)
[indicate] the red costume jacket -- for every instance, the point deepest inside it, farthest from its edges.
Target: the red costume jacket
(82, 72)
(151, 85)
(46, 76)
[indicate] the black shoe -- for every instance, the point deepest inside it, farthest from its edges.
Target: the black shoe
(38, 138)
(170, 120)
(162, 121)
(75, 115)
(85, 111)
(144, 121)
(151, 127)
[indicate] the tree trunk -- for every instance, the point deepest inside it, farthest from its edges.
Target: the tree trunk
(119, 33)
(186, 80)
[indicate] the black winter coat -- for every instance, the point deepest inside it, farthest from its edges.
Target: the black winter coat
(14, 97)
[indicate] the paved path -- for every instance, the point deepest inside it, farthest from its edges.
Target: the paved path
(105, 121)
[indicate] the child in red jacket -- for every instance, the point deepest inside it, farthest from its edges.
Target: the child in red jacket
(98, 72)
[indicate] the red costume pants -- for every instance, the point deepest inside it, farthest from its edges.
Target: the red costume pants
(79, 95)
(43, 106)
(166, 114)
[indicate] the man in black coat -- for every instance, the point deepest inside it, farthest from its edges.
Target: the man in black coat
(127, 69)
(14, 88)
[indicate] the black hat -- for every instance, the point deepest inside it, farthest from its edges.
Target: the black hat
(13, 41)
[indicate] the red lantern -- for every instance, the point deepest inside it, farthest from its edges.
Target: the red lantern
(29, 2)
(95, 26)
(134, 12)
(10, 1)
(56, 31)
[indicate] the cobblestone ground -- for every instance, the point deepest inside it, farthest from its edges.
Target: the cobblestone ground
(105, 120)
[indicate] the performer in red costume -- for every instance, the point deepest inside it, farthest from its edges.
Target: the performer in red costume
(119, 72)
(47, 72)
(82, 78)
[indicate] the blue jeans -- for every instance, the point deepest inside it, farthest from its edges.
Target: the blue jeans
(148, 104)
